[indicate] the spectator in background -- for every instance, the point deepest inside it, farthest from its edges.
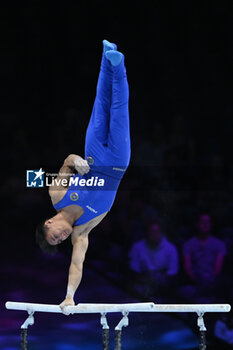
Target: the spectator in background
(153, 263)
(223, 328)
(203, 262)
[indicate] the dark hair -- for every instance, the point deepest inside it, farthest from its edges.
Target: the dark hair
(41, 231)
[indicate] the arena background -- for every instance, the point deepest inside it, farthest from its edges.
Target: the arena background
(179, 65)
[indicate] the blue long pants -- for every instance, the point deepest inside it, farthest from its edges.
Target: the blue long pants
(108, 132)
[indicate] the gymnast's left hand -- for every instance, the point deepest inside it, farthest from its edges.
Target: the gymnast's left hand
(81, 165)
(67, 302)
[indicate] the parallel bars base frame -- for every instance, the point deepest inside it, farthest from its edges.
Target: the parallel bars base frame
(125, 309)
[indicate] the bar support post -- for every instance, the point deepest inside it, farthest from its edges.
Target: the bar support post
(24, 331)
(202, 331)
(124, 322)
(105, 331)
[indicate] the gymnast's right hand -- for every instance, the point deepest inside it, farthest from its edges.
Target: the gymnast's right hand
(67, 302)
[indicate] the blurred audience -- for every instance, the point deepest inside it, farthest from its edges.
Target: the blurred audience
(176, 168)
(153, 263)
(223, 328)
(203, 256)
(164, 176)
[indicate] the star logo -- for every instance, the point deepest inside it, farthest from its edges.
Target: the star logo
(39, 174)
(35, 178)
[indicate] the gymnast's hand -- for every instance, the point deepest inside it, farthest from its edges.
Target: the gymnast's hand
(67, 302)
(81, 165)
(77, 162)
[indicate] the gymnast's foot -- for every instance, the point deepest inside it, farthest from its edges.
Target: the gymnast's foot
(109, 46)
(115, 57)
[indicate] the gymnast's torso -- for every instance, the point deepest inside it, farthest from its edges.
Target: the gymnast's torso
(89, 197)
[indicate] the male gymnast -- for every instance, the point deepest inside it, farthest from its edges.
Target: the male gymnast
(107, 155)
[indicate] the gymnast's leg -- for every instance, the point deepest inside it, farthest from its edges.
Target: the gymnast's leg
(99, 122)
(119, 128)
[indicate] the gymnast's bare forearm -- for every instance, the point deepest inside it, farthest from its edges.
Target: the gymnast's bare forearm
(70, 160)
(80, 245)
(75, 276)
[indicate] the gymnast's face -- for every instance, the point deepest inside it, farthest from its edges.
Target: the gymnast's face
(57, 230)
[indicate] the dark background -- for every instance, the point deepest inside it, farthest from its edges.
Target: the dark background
(179, 66)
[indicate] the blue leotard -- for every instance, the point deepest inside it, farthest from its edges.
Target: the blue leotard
(94, 202)
(107, 144)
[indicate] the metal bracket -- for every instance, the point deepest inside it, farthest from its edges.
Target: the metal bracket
(124, 322)
(103, 321)
(29, 321)
(200, 322)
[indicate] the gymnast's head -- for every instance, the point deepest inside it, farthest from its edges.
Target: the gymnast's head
(51, 232)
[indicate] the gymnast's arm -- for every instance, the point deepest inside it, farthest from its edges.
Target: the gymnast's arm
(73, 161)
(80, 245)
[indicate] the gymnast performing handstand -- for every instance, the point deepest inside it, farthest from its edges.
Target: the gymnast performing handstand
(107, 156)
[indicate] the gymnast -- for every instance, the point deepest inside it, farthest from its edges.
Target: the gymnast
(107, 156)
